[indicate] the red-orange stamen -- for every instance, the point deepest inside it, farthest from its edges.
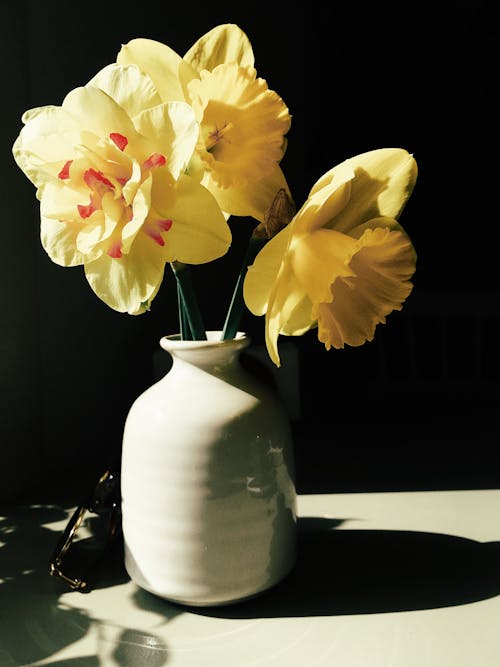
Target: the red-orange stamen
(155, 235)
(155, 230)
(64, 173)
(164, 225)
(115, 250)
(99, 185)
(155, 160)
(119, 140)
(86, 211)
(94, 178)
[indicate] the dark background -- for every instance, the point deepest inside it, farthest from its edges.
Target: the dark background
(414, 409)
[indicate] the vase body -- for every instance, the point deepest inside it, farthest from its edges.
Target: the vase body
(208, 494)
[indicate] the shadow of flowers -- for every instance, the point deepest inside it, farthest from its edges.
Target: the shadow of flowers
(33, 625)
(34, 622)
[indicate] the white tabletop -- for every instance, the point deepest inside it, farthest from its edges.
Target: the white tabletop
(383, 580)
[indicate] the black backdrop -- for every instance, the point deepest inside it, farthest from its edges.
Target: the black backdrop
(413, 409)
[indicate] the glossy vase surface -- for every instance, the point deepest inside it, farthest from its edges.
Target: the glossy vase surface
(208, 494)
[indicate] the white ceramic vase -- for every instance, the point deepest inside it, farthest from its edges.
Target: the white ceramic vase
(208, 494)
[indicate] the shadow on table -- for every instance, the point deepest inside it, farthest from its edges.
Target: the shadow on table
(35, 622)
(33, 625)
(374, 571)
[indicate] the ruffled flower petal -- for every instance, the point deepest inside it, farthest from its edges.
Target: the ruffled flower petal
(383, 265)
(242, 122)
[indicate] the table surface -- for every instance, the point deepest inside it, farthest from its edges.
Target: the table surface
(408, 579)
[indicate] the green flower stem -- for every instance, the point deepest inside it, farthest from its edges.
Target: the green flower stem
(188, 301)
(237, 304)
(183, 320)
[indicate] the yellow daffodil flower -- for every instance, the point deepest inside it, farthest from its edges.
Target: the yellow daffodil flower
(243, 123)
(109, 170)
(344, 262)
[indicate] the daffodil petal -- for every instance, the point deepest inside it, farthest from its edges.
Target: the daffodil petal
(325, 203)
(223, 44)
(133, 279)
(107, 115)
(198, 233)
(286, 303)
(296, 312)
(59, 241)
(173, 129)
(93, 234)
(251, 200)
(159, 61)
(319, 258)
(60, 202)
(383, 265)
(262, 275)
(299, 319)
(384, 180)
(140, 209)
(42, 145)
(199, 230)
(128, 86)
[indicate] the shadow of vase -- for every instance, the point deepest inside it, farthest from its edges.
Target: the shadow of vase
(374, 571)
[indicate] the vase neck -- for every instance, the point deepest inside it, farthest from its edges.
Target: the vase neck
(209, 354)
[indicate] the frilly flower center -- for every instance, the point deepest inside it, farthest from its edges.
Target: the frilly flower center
(106, 190)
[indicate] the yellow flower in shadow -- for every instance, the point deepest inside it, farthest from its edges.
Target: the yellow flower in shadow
(109, 165)
(344, 262)
(243, 123)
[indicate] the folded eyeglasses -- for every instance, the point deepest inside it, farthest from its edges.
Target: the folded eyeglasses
(92, 531)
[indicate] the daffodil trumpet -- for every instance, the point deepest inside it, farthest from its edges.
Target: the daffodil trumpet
(344, 262)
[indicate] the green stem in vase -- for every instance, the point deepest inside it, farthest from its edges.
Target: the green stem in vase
(183, 319)
(278, 215)
(188, 302)
(237, 304)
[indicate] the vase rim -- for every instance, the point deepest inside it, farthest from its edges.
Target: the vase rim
(174, 342)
